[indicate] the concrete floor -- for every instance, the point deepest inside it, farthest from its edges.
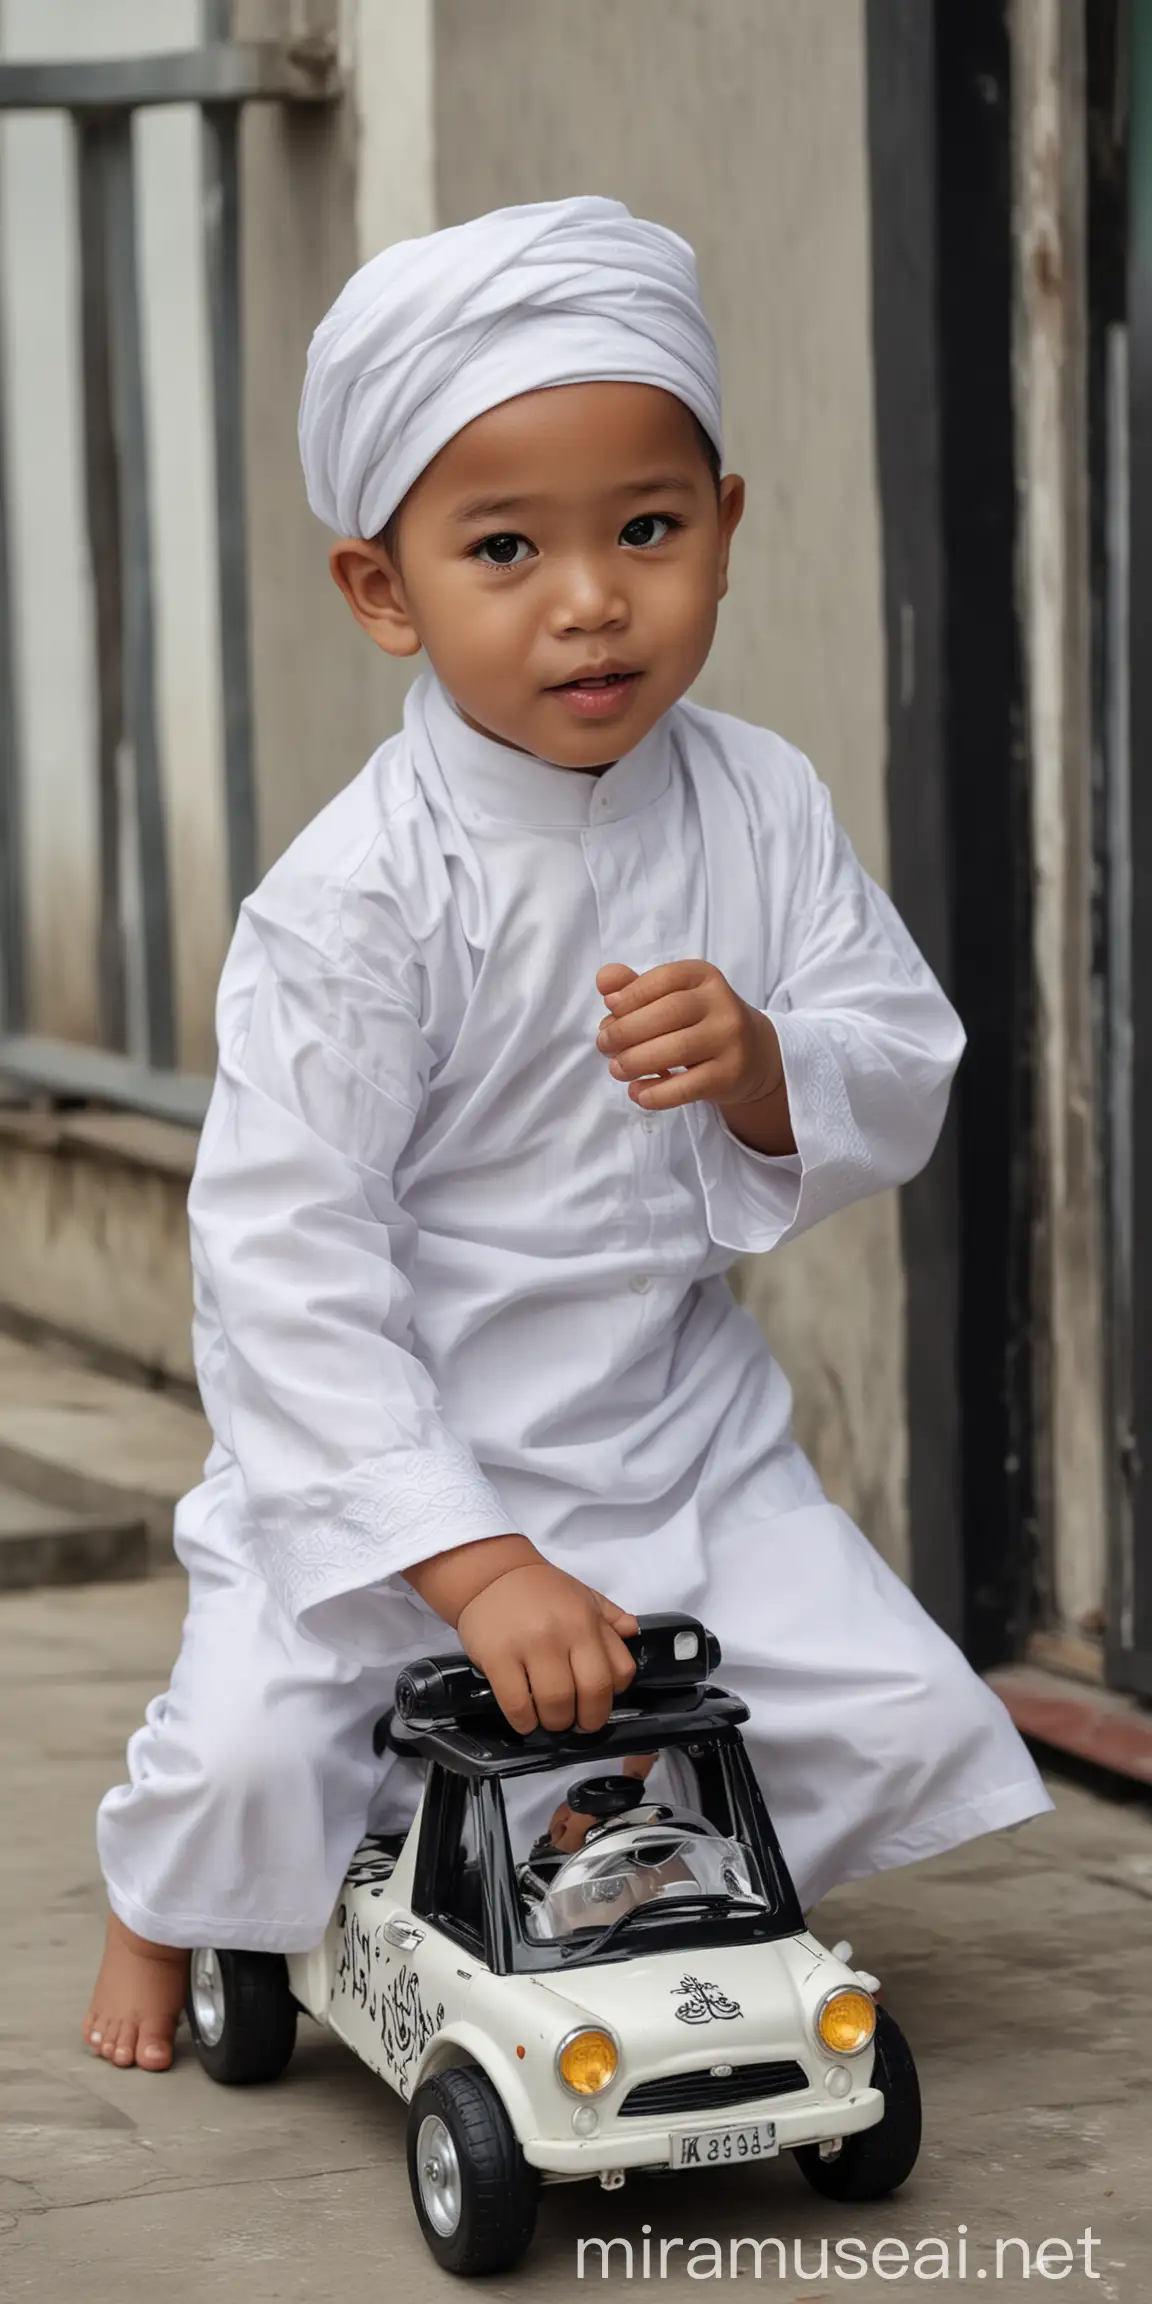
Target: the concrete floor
(1019, 1967)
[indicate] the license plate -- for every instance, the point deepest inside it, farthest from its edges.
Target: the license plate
(725, 2147)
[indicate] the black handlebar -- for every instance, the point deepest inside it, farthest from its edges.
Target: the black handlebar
(671, 1651)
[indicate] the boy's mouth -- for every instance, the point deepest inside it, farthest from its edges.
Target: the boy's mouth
(596, 695)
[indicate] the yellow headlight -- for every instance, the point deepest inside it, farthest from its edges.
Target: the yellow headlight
(587, 2062)
(847, 2021)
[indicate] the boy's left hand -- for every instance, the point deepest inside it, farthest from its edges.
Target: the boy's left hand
(685, 1014)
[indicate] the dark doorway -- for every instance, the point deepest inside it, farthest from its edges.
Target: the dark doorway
(940, 144)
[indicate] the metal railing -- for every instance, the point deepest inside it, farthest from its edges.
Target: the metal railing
(101, 98)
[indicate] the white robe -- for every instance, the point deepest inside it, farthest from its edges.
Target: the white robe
(451, 1281)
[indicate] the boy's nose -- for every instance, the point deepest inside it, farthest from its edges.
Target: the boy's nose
(588, 600)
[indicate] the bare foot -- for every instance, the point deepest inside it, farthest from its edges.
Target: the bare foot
(137, 2001)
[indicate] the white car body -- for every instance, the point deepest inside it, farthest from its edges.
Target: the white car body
(410, 2001)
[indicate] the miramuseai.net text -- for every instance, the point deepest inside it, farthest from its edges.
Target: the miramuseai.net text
(953, 2257)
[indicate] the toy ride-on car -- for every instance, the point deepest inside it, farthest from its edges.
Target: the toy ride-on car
(652, 2001)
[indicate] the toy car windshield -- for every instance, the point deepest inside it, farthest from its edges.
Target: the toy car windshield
(618, 1873)
(642, 1873)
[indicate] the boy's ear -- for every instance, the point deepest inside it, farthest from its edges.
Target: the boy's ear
(371, 585)
(731, 514)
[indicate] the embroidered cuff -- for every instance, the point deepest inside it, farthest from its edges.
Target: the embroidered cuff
(753, 1200)
(335, 1565)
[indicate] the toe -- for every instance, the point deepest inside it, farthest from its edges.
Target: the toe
(110, 2037)
(125, 2049)
(90, 2029)
(154, 2053)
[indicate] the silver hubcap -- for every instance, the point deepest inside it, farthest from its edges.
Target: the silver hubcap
(208, 1997)
(439, 2171)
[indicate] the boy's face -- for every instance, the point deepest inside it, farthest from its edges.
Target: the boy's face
(562, 562)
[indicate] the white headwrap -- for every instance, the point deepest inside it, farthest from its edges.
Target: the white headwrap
(433, 332)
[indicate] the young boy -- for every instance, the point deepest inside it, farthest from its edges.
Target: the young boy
(573, 996)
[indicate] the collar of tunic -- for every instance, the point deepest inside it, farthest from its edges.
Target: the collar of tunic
(491, 781)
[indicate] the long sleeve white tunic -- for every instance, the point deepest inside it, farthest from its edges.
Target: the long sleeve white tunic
(450, 1280)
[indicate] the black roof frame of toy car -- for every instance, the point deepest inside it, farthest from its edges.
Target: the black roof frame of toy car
(713, 1728)
(486, 1745)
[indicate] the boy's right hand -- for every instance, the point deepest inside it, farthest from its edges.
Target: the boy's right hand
(551, 1648)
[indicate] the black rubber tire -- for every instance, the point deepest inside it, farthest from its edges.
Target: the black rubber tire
(259, 2021)
(499, 2190)
(875, 2161)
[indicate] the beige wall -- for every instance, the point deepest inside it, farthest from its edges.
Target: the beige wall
(323, 190)
(309, 678)
(743, 126)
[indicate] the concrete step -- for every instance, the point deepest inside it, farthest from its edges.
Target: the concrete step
(95, 1236)
(92, 1446)
(42, 1544)
(1104, 1726)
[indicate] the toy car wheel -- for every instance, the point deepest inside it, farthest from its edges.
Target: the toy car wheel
(241, 2015)
(474, 2193)
(874, 2161)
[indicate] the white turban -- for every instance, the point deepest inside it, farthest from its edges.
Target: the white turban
(433, 332)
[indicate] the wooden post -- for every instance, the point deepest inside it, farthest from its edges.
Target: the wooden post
(1051, 369)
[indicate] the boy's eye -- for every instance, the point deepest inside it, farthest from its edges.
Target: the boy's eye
(502, 551)
(648, 528)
